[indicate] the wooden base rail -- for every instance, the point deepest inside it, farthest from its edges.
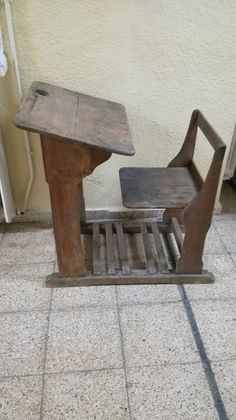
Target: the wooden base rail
(161, 246)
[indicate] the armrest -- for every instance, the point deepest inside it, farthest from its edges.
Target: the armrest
(209, 132)
(185, 156)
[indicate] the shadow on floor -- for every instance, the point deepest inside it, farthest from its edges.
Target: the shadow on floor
(228, 198)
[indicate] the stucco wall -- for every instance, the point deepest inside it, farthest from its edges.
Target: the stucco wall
(160, 58)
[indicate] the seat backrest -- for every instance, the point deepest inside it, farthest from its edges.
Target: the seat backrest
(205, 200)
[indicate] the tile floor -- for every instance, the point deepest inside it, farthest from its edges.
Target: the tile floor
(115, 353)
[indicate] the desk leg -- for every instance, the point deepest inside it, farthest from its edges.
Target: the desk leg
(65, 202)
(66, 164)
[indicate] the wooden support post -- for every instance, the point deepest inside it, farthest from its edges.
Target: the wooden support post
(65, 202)
(66, 165)
(198, 214)
(193, 245)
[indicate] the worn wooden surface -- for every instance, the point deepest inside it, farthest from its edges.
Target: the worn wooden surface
(66, 164)
(62, 113)
(157, 187)
(175, 227)
(110, 249)
(123, 252)
(96, 248)
(55, 280)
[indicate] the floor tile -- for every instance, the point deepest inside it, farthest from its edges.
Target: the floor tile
(213, 243)
(224, 286)
(170, 392)
(22, 342)
(228, 199)
(77, 296)
(227, 230)
(20, 398)
(156, 334)
(82, 339)
(217, 324)
(86, 395)
(228, 216)
(22, 287)
(32, 245)
(225, 373)
(233, 256)
(147, 293)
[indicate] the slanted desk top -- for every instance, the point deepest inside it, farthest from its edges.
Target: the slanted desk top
(68, 115)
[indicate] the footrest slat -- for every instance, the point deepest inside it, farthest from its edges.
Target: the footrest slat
(160, 252)
(122, 248)
(109, 249)
(177, 232)
(96, 249)
(147, 246)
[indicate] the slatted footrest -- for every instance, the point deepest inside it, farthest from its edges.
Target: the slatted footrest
(138, 252)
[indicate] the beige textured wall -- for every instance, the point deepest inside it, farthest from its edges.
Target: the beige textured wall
(160, 58)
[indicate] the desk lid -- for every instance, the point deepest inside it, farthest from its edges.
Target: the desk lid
(73, 116)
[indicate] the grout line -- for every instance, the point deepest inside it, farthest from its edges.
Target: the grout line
(19, 264)
(23, 375)
(23, 311)
(72, 372)
(123, 353)
(153, 366)
(85, 306)
(45, 357)
(206, 363)
(167, 302)
(151, 303)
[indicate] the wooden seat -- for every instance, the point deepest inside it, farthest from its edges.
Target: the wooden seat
(157, 187)
(180, 189)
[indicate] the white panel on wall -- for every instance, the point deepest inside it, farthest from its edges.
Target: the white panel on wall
(231, 162)
(5, 188)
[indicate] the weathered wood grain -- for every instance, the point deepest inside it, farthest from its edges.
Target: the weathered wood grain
(160, 252)
(122, 246)
(55, 280)
(96, 248)
(66, 164)
(64, 114)
(148, 251)
(157, 187)
(177, 232)
(110, 248)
